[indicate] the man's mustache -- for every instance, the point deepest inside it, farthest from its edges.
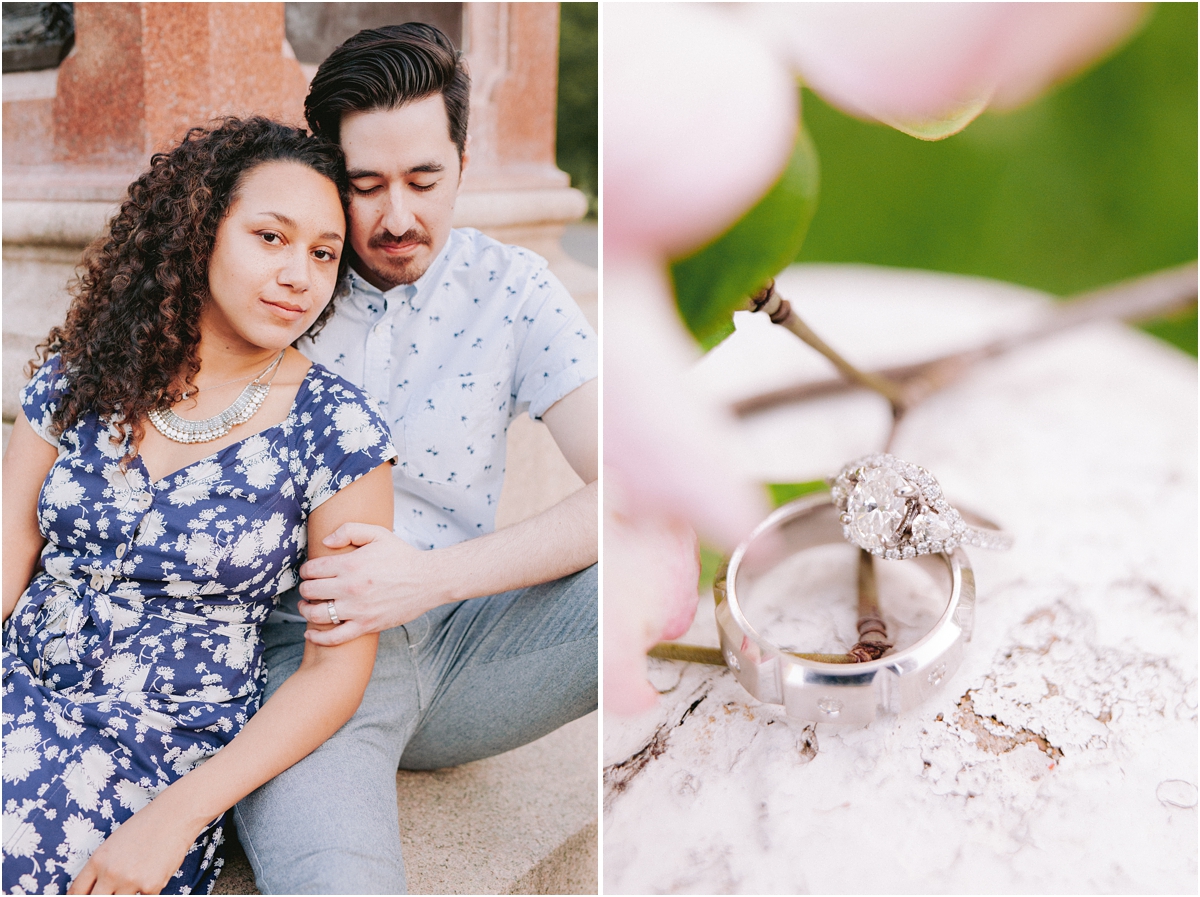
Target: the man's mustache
(386, 238)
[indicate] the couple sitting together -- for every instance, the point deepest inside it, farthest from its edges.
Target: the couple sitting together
(249, 547)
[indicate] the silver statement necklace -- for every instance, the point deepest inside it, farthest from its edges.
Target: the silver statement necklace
(244, 407)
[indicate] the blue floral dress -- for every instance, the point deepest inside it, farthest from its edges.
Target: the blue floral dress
(135, 653)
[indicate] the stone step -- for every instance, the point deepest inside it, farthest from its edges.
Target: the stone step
(520, 823)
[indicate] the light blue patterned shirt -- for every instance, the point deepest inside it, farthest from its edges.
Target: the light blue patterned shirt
(487, 333)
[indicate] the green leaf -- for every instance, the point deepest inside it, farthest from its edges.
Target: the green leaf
(1178, 329)
(710, 559)
(782, 493)
(715, 281)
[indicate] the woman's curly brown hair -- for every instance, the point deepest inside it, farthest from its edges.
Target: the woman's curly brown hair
(129, 342)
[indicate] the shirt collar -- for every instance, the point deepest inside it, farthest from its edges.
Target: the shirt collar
(364, 294)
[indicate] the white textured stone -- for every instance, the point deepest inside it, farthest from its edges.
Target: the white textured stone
(1061, 757)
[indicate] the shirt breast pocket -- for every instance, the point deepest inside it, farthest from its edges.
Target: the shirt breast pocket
(451, 434)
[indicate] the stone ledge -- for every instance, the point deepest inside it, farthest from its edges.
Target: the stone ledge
(520, 823)
(76, 222)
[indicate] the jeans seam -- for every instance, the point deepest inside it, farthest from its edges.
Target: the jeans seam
(540, 650)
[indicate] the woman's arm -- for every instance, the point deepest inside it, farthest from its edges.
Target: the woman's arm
(308, 708)
(27, 461)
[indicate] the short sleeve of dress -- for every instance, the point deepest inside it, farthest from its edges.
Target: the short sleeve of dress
(41, 396)
(341, 437)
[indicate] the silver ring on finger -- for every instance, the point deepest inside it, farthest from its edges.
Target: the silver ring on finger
(333, 616)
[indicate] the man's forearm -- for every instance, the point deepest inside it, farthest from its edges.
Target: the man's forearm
(385, 582)
(559, 541)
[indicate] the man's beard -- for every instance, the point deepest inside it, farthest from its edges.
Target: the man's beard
(395, 272)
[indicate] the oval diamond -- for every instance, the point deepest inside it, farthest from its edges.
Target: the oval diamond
(874, 508)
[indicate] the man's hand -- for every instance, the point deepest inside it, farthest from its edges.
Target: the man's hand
(383, 582)
(141, 856)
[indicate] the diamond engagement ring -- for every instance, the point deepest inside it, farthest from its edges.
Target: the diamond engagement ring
(850, 693)
(895, 510)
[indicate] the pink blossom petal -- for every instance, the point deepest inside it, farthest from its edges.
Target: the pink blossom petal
(699, 120)
(930, 68)
(651, 569)
(674, 446)
(1048, 42)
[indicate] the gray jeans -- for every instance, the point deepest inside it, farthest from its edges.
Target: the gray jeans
(462, 682)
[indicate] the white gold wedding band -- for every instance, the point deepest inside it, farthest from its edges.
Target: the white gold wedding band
(849, 693)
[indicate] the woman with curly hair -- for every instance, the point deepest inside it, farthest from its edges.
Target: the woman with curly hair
(174, 461)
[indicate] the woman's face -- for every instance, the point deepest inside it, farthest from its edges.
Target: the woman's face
(274, 265)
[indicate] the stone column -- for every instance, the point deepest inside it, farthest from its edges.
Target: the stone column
(143, 73)
(513, 189)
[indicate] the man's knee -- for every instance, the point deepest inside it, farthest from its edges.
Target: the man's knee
(305, 833)
(329, 824)
(332, 869)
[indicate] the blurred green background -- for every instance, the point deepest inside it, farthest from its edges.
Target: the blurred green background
(578, 133)
(1092, 183)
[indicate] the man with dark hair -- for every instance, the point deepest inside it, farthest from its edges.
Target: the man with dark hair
(488, 639)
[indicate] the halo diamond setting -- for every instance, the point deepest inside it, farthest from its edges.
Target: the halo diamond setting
(895, 510)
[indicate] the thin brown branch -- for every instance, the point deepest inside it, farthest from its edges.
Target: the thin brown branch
(781, 312)
(1132, 301)
(872, 630)
(699, 654)
(687, 653)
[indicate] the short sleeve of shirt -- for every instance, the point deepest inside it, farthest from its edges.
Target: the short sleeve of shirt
(341, 437)
(41, 397)
(558, 352)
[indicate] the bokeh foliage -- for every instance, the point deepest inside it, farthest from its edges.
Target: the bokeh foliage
(1092, 183)
(578, 131)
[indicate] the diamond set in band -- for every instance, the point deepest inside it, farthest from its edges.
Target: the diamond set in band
(895, 510)
(831, 707)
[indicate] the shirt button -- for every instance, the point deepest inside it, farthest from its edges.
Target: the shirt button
(145, 500)
(97, 581)
(121, 550)
(37, 666)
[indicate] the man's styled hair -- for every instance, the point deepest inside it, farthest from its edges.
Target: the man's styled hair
(385, 68)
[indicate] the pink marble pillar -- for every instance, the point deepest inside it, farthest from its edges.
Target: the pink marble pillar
(513, 189)
(143, 73)
(512, 51)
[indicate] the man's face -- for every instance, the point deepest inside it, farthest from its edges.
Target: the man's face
(404, 178)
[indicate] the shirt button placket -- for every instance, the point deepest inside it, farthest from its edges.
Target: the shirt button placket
(377, 374)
